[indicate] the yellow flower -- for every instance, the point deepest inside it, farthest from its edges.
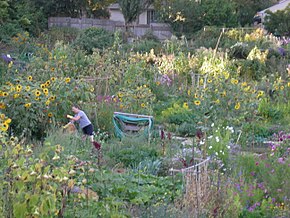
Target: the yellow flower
(4, 94)
(37, 93)
(217, 101)
(27, 105)
(45, 91)
(4, 127)
(157, 83)
(27, 88)
(47, 83)
(52, 98)
(288, 84)
(196, 95)
(236, 81)
(282, 88)
(47, 102)
(2, 105)
(15, 95)
(53, 79)
(201, 82)
(2, 116)
(37, 98)
(142, 105)
(120, 94)
(29, 78)
(237, 106)
(197, 102)
(52, 69)
(49, 115)
(188, 92)
(209, 81)
(185, 105)
(42, 86)
(244, 84)
(18, 88)
(67, 80)
(8, 121)
(121, 106)
(260, 93)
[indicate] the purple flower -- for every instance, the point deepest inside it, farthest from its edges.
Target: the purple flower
(281, 160)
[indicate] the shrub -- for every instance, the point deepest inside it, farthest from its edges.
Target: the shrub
(94, 38)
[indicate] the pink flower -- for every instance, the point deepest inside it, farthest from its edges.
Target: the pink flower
(281, 160)
(257, 163)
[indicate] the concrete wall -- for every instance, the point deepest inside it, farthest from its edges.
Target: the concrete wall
(161, 31)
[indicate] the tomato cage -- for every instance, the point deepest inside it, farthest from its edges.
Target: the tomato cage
(200, 184)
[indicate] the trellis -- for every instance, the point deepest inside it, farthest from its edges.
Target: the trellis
(197, 183)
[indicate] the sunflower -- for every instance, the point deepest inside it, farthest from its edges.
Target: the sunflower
(209, 81)
(2, 105)
(37, 98)
(188, 92)
(2, 116)
(237, 106)
(197, 102)
(29, 78)
(49, 115)
(217, 101)
(143, 105)
(196, 95)
(42, 86)
(281, 87)
(45, 91)
(37, 93)
(53, 79)
(120, 94)
(8, 121)
(16, 95)
(47, 102)
(52, 69)
(185, 105)
(47, 83)
(52, 98)
(27, 105)
(4, 94)
(18, 88)
(67, 80)
(4, 127)
(27, 88)
(157, 83)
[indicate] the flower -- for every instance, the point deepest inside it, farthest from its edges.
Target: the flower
(197, 102)
(4, 94)
(52, 69)
(27, 105)
(185, 105)
(67, 80)
(142, 105)
(37, 93)
(47, 83)
(29, 78)
(27, 88)
(53, 79)
(4, 127)
(49, 114)
(45, 91)
(2, 105)
(42, 86)
(237, 106)
(52, 98)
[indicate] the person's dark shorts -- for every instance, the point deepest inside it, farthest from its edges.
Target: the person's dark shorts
(88, 130)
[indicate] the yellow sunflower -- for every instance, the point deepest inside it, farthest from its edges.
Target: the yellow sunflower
(8, 121)
(52, 98)
(53, 79)
(4, 94)
(27, 105)
(15, 95)
(49, 114)
(47, 102)
(52, 69)
(282, 88)
(143, 105)
(47, 83)
(209, 81)
(29, 78)
(67, 80)
(45, 91)
(185, 105)
(2, 105)
(237, 106)
(42, 86)
(4, 127)
(27, 88)
(37, 93)
(2, 116)
(197, 102)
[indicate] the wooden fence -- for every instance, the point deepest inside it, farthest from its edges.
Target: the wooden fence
(160, 30)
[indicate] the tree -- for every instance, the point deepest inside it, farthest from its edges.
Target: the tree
(131, 9)
(3, 10)
(278, 23)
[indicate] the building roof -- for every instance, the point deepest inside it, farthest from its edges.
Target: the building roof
(279, 6)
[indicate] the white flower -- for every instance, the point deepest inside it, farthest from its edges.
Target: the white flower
(210, 147)
(224, 169)
(229, 147)
(216, 154)
(210, 137)
(202, 142)
(221, 151)
(212, 125)
(217, 139)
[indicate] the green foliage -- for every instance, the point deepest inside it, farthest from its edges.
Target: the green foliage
(94, 38)
(277, 23)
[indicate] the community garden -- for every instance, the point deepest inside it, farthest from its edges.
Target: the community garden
(219, 146)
